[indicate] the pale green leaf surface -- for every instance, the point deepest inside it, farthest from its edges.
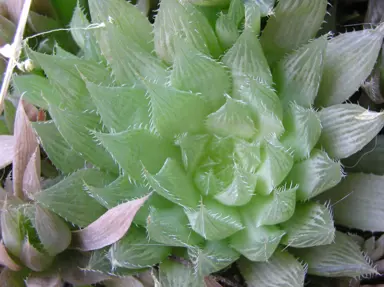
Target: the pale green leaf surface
(76, 129)
(177, 19)
(349, 59)
(310, 225)
(112, 102)
(266, 6)
(281, 270)
(343, 258)
(315, 174)
(347, 128)
(253, 14)
(59, 152)
(135, 251)
(226, 30)
(357, 201)
(68, 199)
(298, 75)
(285, 30)
(135, 148)
(173, 274)
(11, 232)
(9, 115)
(214, 221)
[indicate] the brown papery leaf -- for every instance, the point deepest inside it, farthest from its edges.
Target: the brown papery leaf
(7, 144)
(31, 179)
(108, 228)
(211, 282)
(6, 260)
(14, 9)
(50, 281)
(25, 145)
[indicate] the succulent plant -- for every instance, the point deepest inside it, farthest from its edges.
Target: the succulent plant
(213, 139)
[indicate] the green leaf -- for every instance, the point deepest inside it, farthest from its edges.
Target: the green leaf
(310, 225)
(368, 160)
(285, 30)
(170, 227)
(173, 274)
(266, 7)
(68, 199)
(343, 258)
(212, 257)
(59, 152)
(11, 233)
(135, 148)
(173, 183)
(302, 130)
(349, 60)
(234, 118)
(7, 29)
(272, 209)
(248, 154)
(135, 251)
(130, 102)
(281, 270)
(256, 243)
(246, 59)
(196, 72)
(275, 166)
(36, 90)
(33, 258)
(177, 19)
(9, 115)
(298, 75)
(315, 175)
(361, 193)
(253, 16)
(226, 30)
(76, 130)
(64, 9)
(53, 232)
(193, 148)
(347, 128)
(214, 221)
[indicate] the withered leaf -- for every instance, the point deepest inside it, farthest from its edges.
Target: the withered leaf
(31, 179)
(211, 282)
(47, 281)
(33, 258)
(6, 260)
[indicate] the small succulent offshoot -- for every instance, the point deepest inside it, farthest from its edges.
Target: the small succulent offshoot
(213, 139)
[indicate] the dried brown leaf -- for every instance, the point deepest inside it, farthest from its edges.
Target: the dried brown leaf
(25, 145)
(6, 260)
(211, 282)
(44, 281)
(7, 144)
(14, 9)
(33, 258)
(108, 228)
(31, 179)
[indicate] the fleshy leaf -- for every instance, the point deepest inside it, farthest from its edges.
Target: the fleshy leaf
(246, 59)
(285, 30)
(108, 228)
(193, 147)
(266, 6)
(9, 278)
(256, 243)
(135, 251)
(170, 227)
(174, 184)
(253, 14)
(33, 258)
(174, 111)
(38, 280)
(361, 193)
(349, 59)
(347, 128)
(59, 152)
(134, 148)
(173, 274)
(310, 225)
(214, 221)
(129, 281)
(213, 257)
(31, 178)
(234, 118)
(11, 229)
(53, 233)
(76, 130)
(68, 199)
(7, 145)
(35, 89)
(9, 115)
(6, 260)
(25, 145)
(181, 19)
(226, 30)
(315, 174)
(343, 258)
(298, 75)
(272, 209)
(196, 72)
(247, 154)
(302, 130)
(281, 270)
(130, 102)
(275, 166)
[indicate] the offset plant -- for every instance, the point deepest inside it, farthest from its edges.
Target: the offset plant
(223, 136)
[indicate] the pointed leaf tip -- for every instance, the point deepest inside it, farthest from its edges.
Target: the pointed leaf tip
(108, 228)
